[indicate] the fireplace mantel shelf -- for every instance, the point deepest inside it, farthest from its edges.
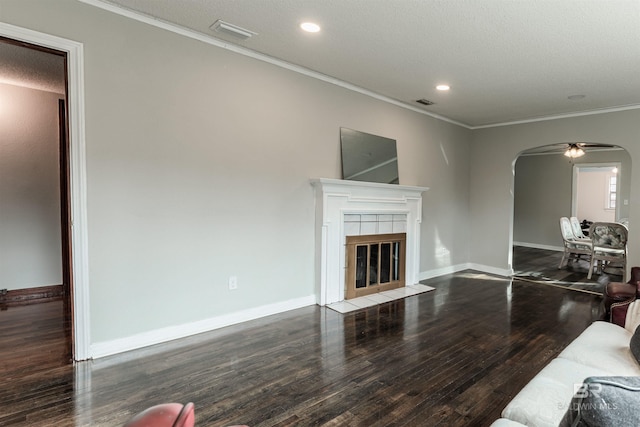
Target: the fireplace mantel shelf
(321, 182)
(336, 198)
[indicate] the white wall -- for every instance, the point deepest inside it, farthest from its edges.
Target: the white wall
(592, 196)
(30, 230)
(198, 168)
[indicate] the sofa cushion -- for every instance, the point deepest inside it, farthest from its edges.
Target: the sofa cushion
(634, 345)
(605, 401)
(545, 399)
(503, 422)
(606, 346)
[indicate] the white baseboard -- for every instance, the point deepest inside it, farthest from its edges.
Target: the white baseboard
(424, 275)
(170, 333)
(538, 246)
(505, 272)
(466, 266)
(157, 336)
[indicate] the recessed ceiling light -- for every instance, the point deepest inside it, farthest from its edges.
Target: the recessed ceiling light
(310, 27)
(443, 87)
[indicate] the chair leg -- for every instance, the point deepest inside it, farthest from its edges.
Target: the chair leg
(591, 267)
(564, 255)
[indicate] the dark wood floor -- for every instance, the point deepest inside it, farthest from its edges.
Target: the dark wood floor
(451, 357)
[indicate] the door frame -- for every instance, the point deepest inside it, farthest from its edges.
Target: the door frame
(78, 178)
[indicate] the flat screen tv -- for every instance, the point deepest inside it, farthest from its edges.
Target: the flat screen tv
(367, 157)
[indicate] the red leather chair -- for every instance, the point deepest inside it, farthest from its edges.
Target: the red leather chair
(165, 415)
(621, 295)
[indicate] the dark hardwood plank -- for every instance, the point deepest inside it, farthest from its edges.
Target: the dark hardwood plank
(30, 296)
(33, 338)
(451, 357)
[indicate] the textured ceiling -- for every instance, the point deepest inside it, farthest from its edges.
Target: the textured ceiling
(35, 69)
(505, 60)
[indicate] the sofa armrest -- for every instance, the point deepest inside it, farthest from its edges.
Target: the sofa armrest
(619, 310)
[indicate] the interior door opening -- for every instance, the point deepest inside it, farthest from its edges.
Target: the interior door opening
(38, 184)
(595, 192)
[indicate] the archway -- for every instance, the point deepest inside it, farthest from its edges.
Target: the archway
(544, 188)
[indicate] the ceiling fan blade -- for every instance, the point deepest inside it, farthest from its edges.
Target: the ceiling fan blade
(594, 145)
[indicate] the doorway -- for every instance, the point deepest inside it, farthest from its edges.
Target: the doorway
(34, 186)
(78, 297)
(595, 192)
(545, 189)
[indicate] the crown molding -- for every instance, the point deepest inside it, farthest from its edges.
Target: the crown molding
(261, 57)
(560, 116)
(119, 10)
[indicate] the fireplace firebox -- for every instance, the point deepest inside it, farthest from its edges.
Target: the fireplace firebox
(375, 263)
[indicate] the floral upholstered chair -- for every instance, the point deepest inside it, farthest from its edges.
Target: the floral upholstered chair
(609, 246)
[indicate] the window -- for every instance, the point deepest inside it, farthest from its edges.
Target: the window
(611, 191)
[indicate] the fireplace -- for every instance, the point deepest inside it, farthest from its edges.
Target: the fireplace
(352, 208)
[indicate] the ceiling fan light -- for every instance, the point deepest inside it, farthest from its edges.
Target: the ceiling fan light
(574, 151)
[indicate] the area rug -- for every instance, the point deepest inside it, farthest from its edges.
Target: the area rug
(574, 284)
(540, 266)
(354, 304)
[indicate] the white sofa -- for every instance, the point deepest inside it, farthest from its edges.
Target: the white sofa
(601, 350)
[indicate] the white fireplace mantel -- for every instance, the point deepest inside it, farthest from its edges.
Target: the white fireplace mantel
(336, 198)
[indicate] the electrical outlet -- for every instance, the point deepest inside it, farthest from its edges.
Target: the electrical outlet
(233, 283)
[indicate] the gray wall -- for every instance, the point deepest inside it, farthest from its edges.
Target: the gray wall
(30, 248)
(543, 191)
(198, 168)
(199, 160)
(494, 151)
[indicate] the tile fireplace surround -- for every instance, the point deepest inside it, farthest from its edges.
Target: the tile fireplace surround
(337, 200)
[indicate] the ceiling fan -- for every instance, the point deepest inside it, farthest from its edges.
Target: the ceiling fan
(576, 149)
(570, 149)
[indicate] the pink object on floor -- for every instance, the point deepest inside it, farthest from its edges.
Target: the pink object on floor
(165, 415)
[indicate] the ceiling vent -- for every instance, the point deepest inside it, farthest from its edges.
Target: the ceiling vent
(232, 30)
(424, 101)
